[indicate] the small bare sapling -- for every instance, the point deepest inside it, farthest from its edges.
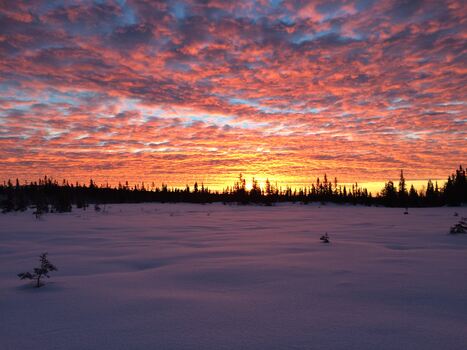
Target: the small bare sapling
(39, 272)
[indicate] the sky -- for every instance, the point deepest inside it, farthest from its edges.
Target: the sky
(184, 91)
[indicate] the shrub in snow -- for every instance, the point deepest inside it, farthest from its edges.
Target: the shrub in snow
(39, 272)
(41, 208)
(460, 227)
(325, 238)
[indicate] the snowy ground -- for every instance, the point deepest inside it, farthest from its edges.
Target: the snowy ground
(166, 276)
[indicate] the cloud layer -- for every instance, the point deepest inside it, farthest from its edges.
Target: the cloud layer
(202, 90)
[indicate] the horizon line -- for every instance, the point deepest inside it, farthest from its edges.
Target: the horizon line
(373, 187)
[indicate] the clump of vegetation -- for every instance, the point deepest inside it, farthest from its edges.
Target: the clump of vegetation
(324, 238)
(39, 272)
(460, 227)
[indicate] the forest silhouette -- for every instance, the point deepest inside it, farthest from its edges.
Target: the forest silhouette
(48, 195)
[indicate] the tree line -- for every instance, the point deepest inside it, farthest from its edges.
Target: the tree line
(48, 195)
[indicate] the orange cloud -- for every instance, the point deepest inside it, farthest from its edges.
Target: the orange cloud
(189, 91)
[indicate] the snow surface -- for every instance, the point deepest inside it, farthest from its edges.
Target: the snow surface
(186, 276)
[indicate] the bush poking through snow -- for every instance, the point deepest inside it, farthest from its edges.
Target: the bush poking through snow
(324, 238)
(39, 272)
(460, 227)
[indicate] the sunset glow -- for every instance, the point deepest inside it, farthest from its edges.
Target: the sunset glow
(186, 91)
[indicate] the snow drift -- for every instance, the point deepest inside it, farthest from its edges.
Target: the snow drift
(183, 276)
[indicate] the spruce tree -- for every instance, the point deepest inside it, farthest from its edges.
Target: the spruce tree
(402, 193)
(39, 272)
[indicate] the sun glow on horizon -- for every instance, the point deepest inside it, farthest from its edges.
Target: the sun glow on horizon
(373, 187)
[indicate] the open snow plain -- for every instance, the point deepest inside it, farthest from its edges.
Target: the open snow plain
(183, 276)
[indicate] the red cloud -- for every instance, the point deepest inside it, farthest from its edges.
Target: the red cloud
(151, 92)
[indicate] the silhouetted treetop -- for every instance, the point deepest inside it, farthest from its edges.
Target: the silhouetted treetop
(48, 195)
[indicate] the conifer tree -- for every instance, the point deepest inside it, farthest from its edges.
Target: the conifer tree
(39, 272)
(402, 193)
